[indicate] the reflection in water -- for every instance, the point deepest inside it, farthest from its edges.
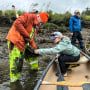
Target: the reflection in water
(27, 81)
(16, 86)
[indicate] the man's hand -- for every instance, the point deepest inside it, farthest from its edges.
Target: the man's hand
(81, 32)
(71, 34)
(36, 51)
(57, 56)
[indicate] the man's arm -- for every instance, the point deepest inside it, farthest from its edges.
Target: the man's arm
(71, 26)
(32, 43)
(80, 26)
(19, 24)
(54, 50)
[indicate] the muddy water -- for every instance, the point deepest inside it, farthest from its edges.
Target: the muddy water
(28, 78)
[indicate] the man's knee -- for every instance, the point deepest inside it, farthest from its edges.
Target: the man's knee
(60, 59)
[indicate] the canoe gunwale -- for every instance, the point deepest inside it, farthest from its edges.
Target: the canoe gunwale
(44, 73)
(85, 54)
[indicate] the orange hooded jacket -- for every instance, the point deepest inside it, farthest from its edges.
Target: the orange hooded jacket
(21, 30)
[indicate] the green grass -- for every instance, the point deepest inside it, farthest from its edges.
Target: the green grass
(88, 17)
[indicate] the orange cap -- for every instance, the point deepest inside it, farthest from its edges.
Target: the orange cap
(44, 16)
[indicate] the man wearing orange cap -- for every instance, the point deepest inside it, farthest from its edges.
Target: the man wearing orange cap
(23, 30)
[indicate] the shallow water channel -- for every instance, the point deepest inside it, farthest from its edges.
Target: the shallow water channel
(28, 78)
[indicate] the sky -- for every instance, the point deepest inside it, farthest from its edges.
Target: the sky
(57, 6)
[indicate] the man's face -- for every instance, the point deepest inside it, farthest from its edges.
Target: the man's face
(77, 13)
(56, 40)
(40, 22)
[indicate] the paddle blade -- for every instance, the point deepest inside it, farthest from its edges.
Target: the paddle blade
(60, 78)
(86, 86)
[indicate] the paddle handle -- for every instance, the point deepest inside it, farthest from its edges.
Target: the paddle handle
(64, 83)
(15, 11)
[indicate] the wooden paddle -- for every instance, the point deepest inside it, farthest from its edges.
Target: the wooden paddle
(15, 11)
(65, 83)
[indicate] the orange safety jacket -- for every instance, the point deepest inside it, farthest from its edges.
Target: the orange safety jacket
(21, 30)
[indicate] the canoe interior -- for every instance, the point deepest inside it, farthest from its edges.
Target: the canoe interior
(50, 76)
(77, 74)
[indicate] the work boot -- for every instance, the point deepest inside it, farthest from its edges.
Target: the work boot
(65, 74)
(81, 45)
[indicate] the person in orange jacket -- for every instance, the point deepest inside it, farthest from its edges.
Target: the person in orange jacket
(23, 30)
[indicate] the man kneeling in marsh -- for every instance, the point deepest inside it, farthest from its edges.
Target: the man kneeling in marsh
(65, 51)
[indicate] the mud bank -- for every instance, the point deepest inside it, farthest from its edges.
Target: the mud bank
(42, 39)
